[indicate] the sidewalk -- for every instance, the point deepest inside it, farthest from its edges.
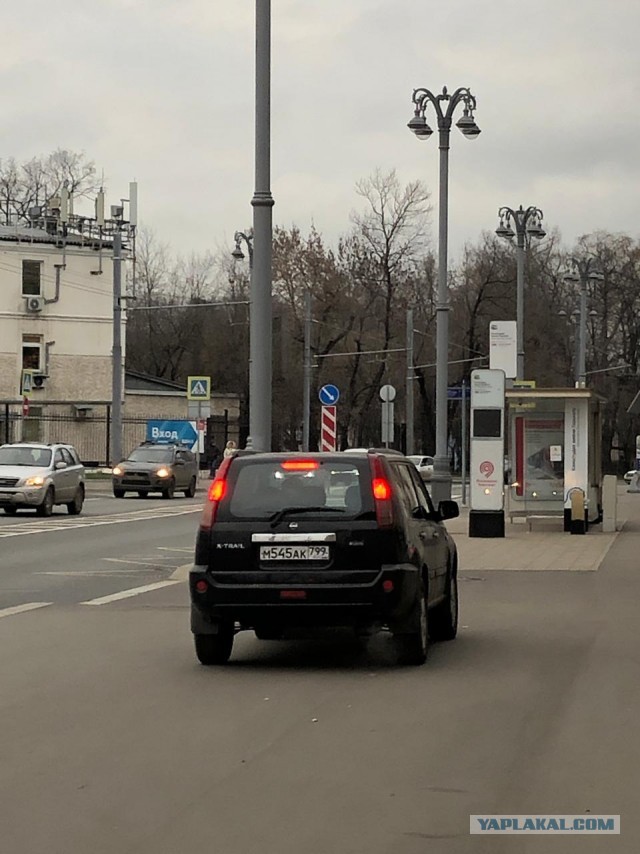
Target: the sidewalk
(547, 548)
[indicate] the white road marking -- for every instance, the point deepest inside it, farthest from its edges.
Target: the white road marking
(128, 594)
(20, 609)
(24, 528)
(182, 572)
(138, 562)
(86, 573)
(170, 549)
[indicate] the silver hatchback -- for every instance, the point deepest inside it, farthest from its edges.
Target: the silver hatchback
(40, 476)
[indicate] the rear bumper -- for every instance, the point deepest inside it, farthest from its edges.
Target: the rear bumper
(344, 600)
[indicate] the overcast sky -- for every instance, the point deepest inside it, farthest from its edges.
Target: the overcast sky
(163, 91)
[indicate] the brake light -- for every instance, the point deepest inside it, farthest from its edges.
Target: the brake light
(382, 492)
(217, 491)
(381, 489)
(300, 465)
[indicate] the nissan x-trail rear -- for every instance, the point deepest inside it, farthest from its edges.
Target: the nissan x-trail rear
(292, 541)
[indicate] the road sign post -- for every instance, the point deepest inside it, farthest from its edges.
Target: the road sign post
(329, 395)
(329, 429)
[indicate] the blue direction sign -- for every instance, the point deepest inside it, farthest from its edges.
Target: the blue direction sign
(167, 432)
(329, 395)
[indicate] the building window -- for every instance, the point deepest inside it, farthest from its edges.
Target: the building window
(31, 278)
(31, 352)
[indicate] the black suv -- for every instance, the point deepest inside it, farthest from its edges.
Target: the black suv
(156, 468)
(290, 541)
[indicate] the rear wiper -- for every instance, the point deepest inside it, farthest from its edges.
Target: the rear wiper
(279, 515)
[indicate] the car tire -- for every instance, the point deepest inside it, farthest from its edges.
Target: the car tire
(169, 491)
(443, 620)
(118, 493)
(142, 493)
(412, 647)
(46, 508)
(215, 649)
(11, 511)
(191, 491)
(74, 508)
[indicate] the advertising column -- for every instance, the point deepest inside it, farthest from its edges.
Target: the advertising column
(486, 515)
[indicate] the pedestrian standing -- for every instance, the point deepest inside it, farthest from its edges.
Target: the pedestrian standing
(215, 458)
(230, 449)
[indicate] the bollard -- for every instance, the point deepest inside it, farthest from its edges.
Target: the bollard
(578, 524)
(609, 503)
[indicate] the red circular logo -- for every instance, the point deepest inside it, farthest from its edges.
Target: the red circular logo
(487, 468)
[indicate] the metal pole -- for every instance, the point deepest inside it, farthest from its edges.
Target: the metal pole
(441, 478)
(116, 355)
(409, 415)
(260, 384)
(582, 352)
(520, 230)
(464, 442)
(306, 391)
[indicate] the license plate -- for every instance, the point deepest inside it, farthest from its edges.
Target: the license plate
(310, 552)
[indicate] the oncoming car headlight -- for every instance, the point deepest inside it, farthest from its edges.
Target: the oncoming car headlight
(38, 480)
(163, 472)
(118, 471)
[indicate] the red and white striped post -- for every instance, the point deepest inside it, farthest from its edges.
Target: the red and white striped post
(329, 429)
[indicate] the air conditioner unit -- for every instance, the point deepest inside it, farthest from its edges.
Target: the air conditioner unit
(34, 304)
(38, 381)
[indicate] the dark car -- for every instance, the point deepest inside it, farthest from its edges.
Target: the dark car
(285, 544)
(156, 468)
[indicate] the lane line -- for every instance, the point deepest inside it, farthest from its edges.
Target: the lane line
(171, 549)
(128, 594)
(81, 525)
(182, 572)
(20, 609)
(138, 562)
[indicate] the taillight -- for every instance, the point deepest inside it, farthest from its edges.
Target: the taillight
(382, 493)
(217, 491)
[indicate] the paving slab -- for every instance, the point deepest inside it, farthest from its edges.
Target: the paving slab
(546, 548)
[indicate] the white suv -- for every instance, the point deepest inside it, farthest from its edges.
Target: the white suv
(40, 476)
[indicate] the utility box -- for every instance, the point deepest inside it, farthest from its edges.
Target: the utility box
(486, 515)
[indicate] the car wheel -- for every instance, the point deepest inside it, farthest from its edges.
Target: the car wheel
(142, 493)
(46, 508)
(74, 508)
(169, 490)
(215, 649)
(191, 491)
(443, 622)
(11, 511)
(118, 493)
(412, 648)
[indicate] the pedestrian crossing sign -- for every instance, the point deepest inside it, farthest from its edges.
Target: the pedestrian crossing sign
(199, 388)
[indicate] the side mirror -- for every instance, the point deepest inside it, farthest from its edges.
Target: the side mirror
(60, 465)
(448, 510)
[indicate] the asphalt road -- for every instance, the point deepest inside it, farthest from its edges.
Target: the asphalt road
(113, 740)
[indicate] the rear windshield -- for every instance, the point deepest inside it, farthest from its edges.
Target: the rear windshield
(263, 488)
(151, 455)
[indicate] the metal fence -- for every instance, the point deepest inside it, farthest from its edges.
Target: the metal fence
(88, 429)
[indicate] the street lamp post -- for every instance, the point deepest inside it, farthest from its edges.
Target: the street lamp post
(527, 223)
(260, 385)
(584, 270)
(444, 105)
(241, 237)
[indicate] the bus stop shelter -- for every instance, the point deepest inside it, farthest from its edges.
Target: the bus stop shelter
(554, 459)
